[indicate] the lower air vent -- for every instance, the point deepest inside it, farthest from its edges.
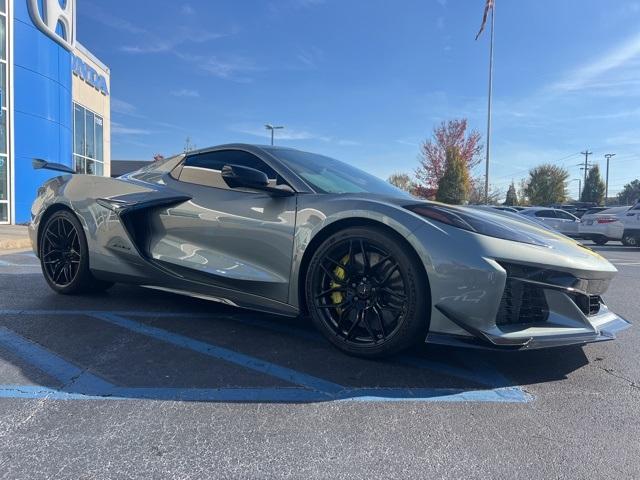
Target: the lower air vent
(522, 303)
(588, 304)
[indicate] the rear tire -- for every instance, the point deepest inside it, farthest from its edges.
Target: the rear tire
(629, 240)
(64, 256)
(367, 294)
(600, 240)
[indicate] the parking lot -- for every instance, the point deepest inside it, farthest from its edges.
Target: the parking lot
(139, 383)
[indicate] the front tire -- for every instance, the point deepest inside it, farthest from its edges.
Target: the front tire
(367, 294)
(64, 256)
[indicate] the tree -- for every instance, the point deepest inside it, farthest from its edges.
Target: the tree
(476, 193)
(522, 192)
(433, 153)
(401, 180)
(453, 186)
(512, 196)
(630, 193)
(547, 185)
(593, 190)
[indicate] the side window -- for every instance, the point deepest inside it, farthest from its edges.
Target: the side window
(206, 168)
(546, 214)
(564, 215)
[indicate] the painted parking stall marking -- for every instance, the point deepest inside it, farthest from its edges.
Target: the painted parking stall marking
(78, 383)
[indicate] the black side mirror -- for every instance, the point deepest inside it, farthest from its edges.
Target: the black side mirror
(237, 176)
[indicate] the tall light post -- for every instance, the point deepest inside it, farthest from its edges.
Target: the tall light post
(268, 126)
(606, 188)
(579, 186)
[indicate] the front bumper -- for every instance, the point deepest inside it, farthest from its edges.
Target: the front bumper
(612, 231)
(493, 293)
(602, 328)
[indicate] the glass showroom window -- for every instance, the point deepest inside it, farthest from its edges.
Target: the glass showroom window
(87, 141)
(4, 160)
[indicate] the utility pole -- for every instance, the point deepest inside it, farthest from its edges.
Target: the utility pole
(586, 154)
(606, 188)
(268, 126)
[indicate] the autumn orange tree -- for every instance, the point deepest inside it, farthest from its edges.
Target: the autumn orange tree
(448, 135)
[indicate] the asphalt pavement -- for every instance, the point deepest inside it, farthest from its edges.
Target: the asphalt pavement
(136, 383)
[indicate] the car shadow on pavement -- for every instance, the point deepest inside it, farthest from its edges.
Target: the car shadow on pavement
(137, 343)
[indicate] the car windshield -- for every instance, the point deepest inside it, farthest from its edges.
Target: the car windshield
(328, 175)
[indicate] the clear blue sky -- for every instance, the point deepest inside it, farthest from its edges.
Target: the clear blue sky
(365, 81)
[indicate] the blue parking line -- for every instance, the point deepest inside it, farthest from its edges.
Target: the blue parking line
(80, 384)
(482, 376)
(69, 375)
(267, 395)
(225, 354)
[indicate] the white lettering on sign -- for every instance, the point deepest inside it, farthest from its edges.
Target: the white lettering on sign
(89, 74)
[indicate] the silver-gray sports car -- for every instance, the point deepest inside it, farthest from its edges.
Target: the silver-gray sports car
(296, 233)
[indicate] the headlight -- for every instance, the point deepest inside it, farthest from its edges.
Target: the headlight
(483, 226)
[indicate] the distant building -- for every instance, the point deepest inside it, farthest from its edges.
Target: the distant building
(54, 98)
(121, 167)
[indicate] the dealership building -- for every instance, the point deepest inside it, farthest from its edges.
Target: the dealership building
(55, 98)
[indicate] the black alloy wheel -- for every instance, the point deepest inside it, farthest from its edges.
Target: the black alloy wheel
(366, 295)
(64, 256)
(60, 252)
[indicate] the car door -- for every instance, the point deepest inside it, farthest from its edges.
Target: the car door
(567, 224)
(632, 218)
(549, 218)
(238, 239)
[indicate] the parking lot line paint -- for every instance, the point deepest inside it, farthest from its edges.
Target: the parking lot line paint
(79, 384)
(499, 395)
(69, 375)
(270, 395)
(479, 373)
(482, 376)
(225, 354)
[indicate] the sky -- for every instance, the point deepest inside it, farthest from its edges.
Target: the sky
(365, 81)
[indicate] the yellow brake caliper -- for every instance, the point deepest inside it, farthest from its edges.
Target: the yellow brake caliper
(340, 273)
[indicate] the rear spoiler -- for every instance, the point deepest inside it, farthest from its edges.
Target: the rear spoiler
(39, 164)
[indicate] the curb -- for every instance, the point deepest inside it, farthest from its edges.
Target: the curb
(15, 244)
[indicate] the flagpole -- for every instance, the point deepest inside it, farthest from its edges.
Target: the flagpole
(486, 175)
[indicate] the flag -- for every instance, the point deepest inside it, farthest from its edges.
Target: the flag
(487, 7)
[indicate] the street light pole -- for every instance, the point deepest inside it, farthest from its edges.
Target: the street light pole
(268, 126)
(606, 188)
(579, 186)
(486, 167)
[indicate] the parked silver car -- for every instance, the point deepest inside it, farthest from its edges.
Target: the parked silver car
(291, 232)
(559, 220)
(631, 220)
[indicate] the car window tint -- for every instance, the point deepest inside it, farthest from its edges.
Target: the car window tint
(564, 215)
(206, 168)
(546, 214)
